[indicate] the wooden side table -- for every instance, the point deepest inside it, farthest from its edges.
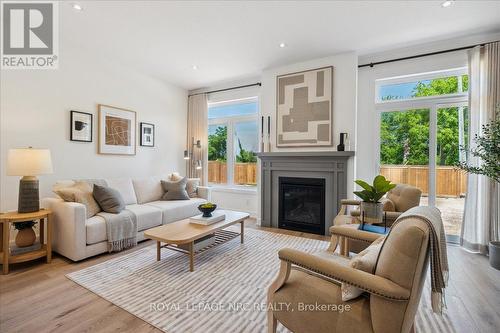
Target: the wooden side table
(44, 216)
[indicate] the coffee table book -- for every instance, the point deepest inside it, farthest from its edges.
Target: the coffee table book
(217, 216)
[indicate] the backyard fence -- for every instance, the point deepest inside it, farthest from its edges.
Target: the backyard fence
(450, 181)
(244, 173)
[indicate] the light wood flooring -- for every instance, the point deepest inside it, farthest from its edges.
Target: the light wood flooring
(37, 297)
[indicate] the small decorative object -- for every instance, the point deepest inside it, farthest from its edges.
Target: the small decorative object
(269, 134)
(217, 216)
(207, 209)
(29, 163)
(304, 108)
(487, 150)
(262, 134)
(147, 135)
(117, 130)
(26, 235)
(341, 146)
(371, 207)
(81, 126)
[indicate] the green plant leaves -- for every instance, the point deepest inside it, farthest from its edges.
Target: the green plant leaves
(374, 193)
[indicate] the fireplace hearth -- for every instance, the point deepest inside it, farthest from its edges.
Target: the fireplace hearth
(302, 204)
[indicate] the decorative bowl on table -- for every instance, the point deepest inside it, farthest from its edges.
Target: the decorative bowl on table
(207, 209)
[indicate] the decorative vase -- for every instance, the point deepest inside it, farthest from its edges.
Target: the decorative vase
(494, 249)
(372, 212)
(25, 237)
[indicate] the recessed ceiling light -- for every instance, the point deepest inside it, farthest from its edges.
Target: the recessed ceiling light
(194, 67)
(447, 3)
(77, 6)
(282, 45)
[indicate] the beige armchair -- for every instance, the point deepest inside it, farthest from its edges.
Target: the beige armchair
(309, 286)
(397, 201)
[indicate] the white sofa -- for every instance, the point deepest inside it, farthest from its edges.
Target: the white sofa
(77, 238)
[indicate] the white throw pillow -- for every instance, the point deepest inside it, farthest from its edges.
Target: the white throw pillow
(126, 189)
(364, 261)
(147, 189)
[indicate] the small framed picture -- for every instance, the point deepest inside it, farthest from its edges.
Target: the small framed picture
(81, 126)
(147, 135)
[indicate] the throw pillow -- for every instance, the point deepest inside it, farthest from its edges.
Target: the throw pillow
(365, 261)
(80, 192)
(109, 199)
(175, 190)
(192, 187)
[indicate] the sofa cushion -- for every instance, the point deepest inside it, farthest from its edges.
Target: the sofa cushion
(81, 192)
(96, 230)
(147, 189)
(178, 209)
(175, 190)
(109, 199)
(147, 216)
(126, 189)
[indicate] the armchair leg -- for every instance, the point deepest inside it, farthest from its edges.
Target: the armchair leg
(272, 322)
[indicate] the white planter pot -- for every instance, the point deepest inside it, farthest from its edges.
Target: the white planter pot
(372, 212)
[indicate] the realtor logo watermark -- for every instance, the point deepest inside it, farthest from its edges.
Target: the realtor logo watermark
(30, 32)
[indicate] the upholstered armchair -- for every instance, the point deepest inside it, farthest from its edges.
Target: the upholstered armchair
(310, 286)
(397, 201)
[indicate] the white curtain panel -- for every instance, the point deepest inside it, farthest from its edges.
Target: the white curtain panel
(198, 130)
(482, 204)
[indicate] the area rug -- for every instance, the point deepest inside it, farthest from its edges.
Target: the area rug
(225, 293)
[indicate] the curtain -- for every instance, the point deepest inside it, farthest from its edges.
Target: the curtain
(197, 129)
(481, 222)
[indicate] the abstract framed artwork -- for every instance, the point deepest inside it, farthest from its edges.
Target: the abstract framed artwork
(81, 126)
(147, 135)
(117, 130)
(304, 111)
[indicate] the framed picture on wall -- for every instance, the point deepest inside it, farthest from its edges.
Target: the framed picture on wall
(147, 135)
(80, 126)
(304, 109)
(117, 130)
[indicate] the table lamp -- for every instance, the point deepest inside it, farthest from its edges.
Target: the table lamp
(29, 163)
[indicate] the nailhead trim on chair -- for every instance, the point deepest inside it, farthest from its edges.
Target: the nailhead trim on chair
(345, 281)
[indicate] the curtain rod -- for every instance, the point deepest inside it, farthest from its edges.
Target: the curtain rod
(371, 64)
(226, 89)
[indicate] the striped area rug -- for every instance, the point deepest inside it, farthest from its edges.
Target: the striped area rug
(225, 293)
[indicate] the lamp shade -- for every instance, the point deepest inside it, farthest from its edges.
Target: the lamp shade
(28, 162)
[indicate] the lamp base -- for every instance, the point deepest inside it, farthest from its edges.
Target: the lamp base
(29, 199)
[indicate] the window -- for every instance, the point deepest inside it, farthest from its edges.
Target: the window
(423, 124)
(233, 142)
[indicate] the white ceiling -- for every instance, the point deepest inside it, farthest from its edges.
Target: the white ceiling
(229, 40)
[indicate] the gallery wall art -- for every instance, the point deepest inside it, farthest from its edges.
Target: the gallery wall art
(304, 110)
(81, 126)
(147, 135)
(117, 130)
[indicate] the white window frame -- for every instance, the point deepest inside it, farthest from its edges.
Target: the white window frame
(230, 121)
(433, 103)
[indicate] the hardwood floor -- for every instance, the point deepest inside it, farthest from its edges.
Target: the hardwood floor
(37, 297)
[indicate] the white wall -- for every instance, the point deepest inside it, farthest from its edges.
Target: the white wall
(35, 109)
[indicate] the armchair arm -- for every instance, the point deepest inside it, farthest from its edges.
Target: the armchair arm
(354, 233)
(373, 284)
(350, 202)
(204, 192)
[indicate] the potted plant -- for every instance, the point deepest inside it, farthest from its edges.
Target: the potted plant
(488, 151)
(25, 235)
(371, 208)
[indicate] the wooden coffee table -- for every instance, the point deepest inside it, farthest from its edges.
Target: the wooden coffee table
(185, 233)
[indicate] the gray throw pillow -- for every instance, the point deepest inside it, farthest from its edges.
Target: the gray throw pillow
(175, 190)
(109, 199)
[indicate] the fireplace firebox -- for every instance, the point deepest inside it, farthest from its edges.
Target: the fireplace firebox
(302, 204)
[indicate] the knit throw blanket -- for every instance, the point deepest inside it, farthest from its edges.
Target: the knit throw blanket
(121, 230)
(438, 254)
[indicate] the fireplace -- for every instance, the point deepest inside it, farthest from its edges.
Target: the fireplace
(302, 204)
